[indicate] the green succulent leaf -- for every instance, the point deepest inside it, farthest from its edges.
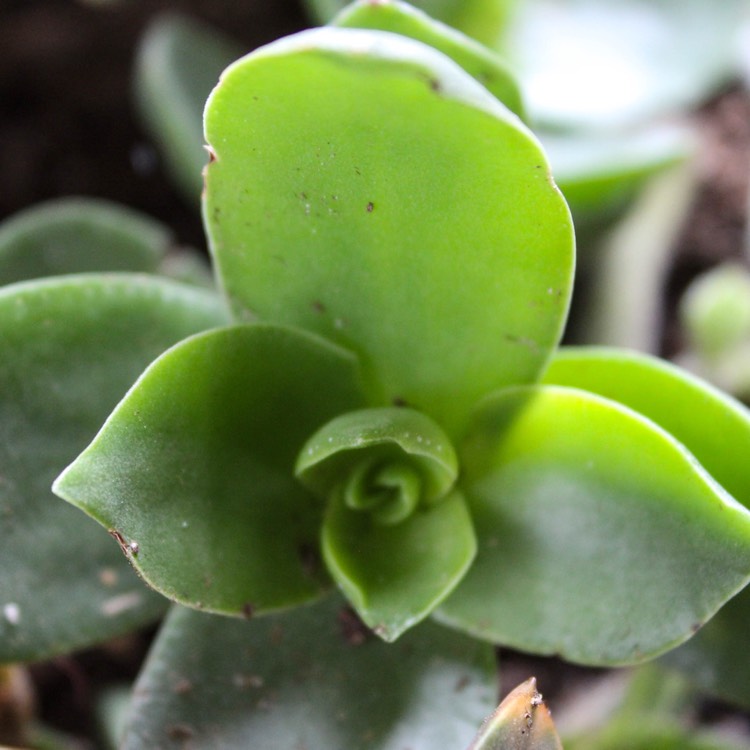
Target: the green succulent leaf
(177, 64)
(193, 472)
(485, 20)
(401, 18)
(70, 347)
(396, 574)
(313, 678)
(521, 722)
(600, 536)
(363, 444)
(76, 235)
(320, 215)
(716, 430)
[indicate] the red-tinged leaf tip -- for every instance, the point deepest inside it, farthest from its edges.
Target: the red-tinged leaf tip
(521, 722)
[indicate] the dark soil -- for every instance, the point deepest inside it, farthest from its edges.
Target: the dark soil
(67, 127)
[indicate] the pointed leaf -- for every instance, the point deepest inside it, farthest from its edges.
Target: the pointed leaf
(70, 347)
(75, 235)
(193, 472)
(395, 575)
(178, 62)
(401, 18)
(320, 215)
(600, 537)
(521, 722)
(308, 678)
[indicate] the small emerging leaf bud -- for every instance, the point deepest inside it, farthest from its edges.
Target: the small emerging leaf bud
(386, 461)
(521, 722)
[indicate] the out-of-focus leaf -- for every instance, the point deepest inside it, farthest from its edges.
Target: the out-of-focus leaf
(312, 678)
(69, 349)
(321, 215)
(193, 471)
(177, 64)
(600, 537)
(75, 235)
(585, 63)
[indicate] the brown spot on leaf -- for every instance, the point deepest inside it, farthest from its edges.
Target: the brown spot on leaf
(248, 610)
(370, 207)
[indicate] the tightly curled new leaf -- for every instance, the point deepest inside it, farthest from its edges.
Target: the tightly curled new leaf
(396, 538)
(386, 461)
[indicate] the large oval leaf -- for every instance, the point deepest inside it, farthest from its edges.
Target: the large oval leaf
(69, 349)
(310, 678)
(194, 471)
(716, 429)
(600, 537)
(366, 188)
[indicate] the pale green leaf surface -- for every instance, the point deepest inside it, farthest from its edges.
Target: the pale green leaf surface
(585, 63)
(178, 62)
(395, 575)
(401, 18)
(716, 429)
(310, 678)
(320, 215)
(70, 348)
(76, 235)
(600, 537)
(194, 469)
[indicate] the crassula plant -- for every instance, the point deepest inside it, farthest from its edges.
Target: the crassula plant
(374, 402)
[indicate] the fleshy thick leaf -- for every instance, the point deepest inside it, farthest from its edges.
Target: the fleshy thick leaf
(401, 18)
(600, 537)
(69, 349)
(484, 20)
(320, 215)
(312, 678)
(76, 235)
(193, 472)
(716, 430)
(396, 575)
(521, 722)
(177, 65)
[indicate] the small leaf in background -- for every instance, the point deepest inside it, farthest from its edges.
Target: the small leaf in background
(521, 722)
(70, 347)
(177, 64)
(76, 235)
(600, 537)
(320, 215)
(194, 470)
(312, 678)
